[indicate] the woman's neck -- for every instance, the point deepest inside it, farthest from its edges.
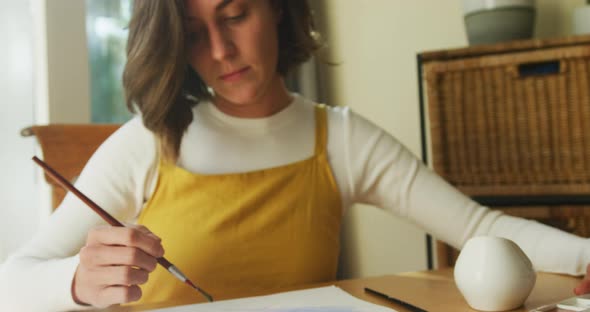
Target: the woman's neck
(269, 103)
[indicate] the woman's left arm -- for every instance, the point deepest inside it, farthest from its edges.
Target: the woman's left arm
(388, 175)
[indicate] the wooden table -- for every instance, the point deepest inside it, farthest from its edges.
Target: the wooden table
(431, 290)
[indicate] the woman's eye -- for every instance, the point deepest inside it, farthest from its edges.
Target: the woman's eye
(236, 17)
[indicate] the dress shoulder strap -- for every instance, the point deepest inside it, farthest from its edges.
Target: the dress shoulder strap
(321, 128)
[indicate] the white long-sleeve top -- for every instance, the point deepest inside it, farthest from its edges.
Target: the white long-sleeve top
(369, 165)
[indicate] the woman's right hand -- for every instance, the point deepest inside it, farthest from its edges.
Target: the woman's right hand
(113, 263)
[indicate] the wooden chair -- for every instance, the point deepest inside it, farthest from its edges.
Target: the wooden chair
(508, 125)
(67, 148)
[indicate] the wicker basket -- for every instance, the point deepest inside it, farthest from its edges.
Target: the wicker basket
(513, 120)
(512, 123)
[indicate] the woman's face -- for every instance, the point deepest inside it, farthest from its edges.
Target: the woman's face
(233, 46)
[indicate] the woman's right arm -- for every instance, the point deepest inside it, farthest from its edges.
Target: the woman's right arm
(39, 276)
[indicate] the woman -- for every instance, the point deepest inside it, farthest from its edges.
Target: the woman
(244, 183)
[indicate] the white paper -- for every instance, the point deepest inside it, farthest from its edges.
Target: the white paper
(323, 299)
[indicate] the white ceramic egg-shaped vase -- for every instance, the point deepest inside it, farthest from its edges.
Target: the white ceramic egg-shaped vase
(494, 274)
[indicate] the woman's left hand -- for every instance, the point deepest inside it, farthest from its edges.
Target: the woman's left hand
(584, 286)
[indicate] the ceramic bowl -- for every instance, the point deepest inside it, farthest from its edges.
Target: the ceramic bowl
(493, 21)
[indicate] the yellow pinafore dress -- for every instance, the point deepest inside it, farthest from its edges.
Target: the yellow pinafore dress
(246, 232)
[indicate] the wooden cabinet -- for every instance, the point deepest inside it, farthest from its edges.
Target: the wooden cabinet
(509, 125)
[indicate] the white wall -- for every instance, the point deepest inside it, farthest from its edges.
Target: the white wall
(18, 213)
(44, 79)
(376, 43)
(67, 62)
(554, 17)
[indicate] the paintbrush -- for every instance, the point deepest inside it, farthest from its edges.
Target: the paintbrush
(114, 222)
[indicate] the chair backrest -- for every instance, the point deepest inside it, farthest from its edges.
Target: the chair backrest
(67, 148)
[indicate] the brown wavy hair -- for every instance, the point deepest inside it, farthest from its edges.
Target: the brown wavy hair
(160, 84)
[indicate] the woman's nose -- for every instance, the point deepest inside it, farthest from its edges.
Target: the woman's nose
(221, 44)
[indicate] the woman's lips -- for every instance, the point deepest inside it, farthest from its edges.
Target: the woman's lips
(235, 75)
